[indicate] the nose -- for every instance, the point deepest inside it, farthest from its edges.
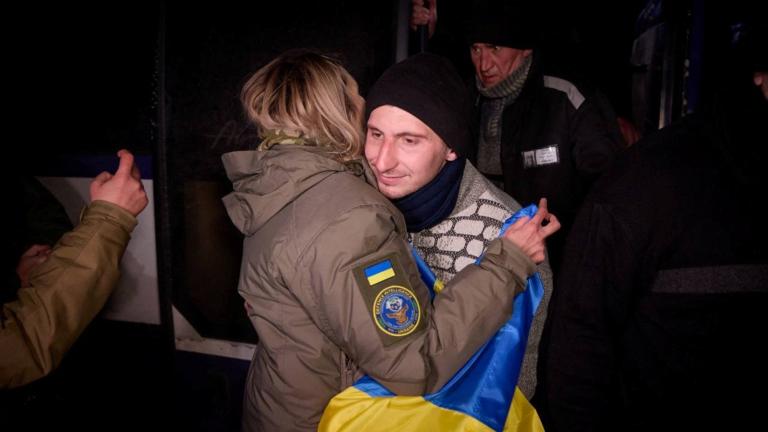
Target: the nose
(485, 61)
(386, 158)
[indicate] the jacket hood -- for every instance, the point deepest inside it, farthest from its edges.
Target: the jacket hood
(264, 182)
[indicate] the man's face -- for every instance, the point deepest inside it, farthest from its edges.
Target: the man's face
(405, 153)
(494, 63)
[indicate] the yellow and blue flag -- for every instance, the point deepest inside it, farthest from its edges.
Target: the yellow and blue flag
(379, 272)
(481, 396)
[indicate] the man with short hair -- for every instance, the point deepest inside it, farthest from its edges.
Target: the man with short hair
(418, 133)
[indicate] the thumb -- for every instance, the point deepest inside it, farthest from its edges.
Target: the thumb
(126, 163)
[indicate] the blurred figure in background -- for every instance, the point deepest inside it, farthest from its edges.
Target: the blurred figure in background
(659, 322)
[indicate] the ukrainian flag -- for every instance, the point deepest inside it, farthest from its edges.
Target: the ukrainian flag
(481, 396)
(379, 272)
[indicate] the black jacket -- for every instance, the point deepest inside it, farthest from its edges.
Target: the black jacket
(659, 318)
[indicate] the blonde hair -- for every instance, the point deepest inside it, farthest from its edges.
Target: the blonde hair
(307, 95)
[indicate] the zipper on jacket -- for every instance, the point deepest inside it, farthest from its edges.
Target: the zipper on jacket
(347, 371)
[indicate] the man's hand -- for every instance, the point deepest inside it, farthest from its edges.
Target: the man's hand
(424, 12)
(124, 188)
(529, 233)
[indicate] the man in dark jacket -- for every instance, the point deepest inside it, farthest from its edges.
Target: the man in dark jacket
(659, 319)
(537, 135)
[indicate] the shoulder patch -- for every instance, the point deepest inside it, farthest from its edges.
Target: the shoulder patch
(391, 300)
(396, 311)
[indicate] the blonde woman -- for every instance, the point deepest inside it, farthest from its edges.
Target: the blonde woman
(327, 275)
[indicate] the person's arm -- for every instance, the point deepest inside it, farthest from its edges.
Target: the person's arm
(596, 137)
(64, 294)
(424, 12)
(431, 341)
(67, 290)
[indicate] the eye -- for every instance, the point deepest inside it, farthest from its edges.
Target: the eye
(374, 133)
(410, 140)
(496, 48)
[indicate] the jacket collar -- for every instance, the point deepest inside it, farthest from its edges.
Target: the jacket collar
(264, 182)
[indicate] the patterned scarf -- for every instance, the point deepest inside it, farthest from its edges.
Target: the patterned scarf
(495, 98)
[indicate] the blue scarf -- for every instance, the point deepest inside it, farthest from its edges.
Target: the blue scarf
(433, 203)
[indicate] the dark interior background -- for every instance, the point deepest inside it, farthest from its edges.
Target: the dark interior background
(162, 79)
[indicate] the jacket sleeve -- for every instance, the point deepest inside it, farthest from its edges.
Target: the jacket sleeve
(596, 137)
(65, 294)
(435, 342)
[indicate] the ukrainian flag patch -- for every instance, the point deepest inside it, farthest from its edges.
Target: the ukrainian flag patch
(379, 272)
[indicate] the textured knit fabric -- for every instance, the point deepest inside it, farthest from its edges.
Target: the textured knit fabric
(462, 237)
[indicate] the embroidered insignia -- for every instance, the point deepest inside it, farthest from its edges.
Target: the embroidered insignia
(396, 311)
(392, 300)
(379, 272)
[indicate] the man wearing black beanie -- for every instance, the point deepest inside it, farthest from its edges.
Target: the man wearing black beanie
(418, 133)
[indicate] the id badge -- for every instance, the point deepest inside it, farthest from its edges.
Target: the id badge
(540, 157)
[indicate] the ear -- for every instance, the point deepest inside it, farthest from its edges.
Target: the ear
(450, 155)
(527, 53)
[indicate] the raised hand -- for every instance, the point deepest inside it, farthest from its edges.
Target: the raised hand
(529, 233)
(424, 12)
(123, 188)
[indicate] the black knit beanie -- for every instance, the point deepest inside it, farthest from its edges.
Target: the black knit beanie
(428, 87)
(507, 23)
